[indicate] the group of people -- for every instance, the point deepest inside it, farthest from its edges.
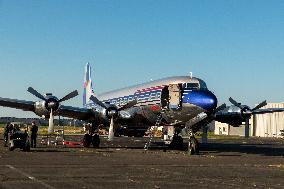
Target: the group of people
(10, 129)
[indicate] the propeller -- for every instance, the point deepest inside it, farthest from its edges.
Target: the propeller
(262, 104)
(247, 112)
(52, 104)
(35, 93)
(69, 96)
(219, 108)
(97, 101)
(112, 112)
(212, 115)
(128, 105)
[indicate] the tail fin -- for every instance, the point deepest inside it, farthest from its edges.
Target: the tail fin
(88, 88)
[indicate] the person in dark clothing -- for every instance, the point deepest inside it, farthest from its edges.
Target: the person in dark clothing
(34, 130)
(6, 134)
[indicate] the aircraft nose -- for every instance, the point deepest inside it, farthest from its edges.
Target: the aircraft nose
(204, 99)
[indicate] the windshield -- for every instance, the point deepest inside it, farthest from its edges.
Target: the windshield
(202, 85)
(190, 86)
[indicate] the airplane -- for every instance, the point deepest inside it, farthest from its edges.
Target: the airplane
(180, 101)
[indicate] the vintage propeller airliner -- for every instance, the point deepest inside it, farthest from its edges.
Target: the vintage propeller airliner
(182, 102)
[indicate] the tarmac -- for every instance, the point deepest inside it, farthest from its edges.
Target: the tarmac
(222, 163)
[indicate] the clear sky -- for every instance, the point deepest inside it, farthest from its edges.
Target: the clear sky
(236, 46)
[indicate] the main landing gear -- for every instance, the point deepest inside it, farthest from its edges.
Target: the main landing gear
(177, 142)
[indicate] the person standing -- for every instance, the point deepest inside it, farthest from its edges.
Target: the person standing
(34, 130)
(6, 134)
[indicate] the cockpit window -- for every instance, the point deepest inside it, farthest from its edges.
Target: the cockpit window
(203, 85)
(190, 86)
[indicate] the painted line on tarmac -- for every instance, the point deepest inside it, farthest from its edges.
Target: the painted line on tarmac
(29, 177)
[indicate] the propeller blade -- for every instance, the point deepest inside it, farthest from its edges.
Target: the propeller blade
(51, 123)
(35, 93)
(97, 101)
(128, 105)
(262, 104)
(110, 131)
(221, 107)
(69, 96)
(235, 102)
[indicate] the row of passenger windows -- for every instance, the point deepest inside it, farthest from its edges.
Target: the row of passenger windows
(138, 97)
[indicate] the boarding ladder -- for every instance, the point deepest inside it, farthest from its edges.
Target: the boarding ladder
(152, 129)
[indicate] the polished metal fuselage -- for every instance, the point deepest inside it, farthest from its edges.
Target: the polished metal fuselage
(149, 100)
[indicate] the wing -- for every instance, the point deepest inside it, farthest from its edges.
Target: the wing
(65, 111)
(268, 110)
(76, 113)
(18, 104)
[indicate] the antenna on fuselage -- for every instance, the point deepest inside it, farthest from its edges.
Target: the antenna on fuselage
(190, 75)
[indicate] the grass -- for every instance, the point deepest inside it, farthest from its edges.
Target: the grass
(42, 130)
(79, 130)
(212, 135)
(67, 130)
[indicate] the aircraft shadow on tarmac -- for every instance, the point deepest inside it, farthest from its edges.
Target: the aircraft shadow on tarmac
(49, 150)
(261, 149)
(216, 148)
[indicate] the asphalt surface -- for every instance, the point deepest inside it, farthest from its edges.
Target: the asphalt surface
(226, 163)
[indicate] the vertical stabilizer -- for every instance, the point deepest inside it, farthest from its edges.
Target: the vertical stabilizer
(88, 88)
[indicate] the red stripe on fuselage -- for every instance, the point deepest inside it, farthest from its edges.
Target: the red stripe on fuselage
(150, 89)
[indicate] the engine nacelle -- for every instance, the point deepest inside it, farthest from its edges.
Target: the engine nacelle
(105, 114)
(40, 109)
(232, 115)
(43, 108)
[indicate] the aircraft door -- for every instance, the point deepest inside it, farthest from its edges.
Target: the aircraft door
(165, 97)
(174, 96)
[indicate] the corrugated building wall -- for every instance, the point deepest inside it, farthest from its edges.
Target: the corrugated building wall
(269, 125)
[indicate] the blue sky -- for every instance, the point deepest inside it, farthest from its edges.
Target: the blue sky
(235, 46)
